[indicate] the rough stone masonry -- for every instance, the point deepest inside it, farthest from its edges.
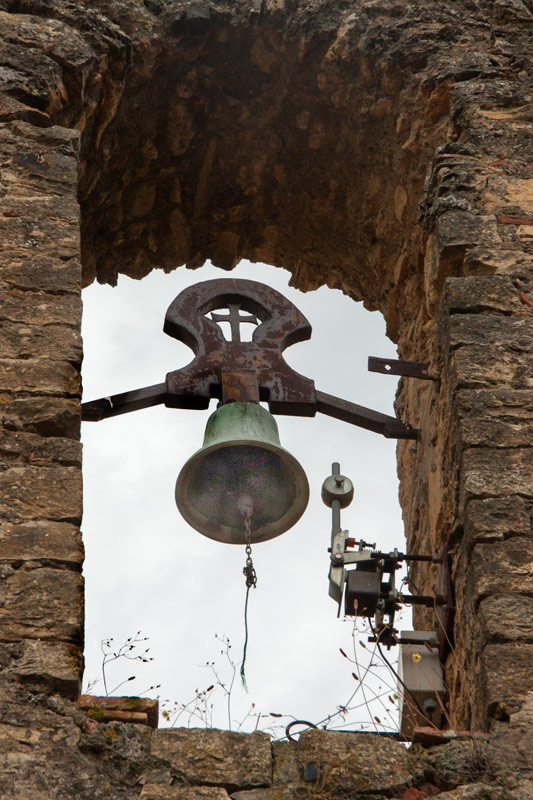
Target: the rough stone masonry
(381, 147)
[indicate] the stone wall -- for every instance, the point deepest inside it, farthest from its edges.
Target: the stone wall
(380, 147)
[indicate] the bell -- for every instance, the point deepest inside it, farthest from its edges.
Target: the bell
(242, 470)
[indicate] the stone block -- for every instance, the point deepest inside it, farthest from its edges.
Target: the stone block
(461, 761)
(220, 758)
(285, 768)
(274, 793)
(353, 763)
(495, 432)
(47, 416)
(480, 294)
(496, 472)
(41, 493)
(505, 618)
(41, 603)
(20, 448)
(42, 272)
(510, 745)
(56, 665)
(38, 308)
(41, 540)
(516, 333)
(59, 342)
(477, 366)
(499, 402)
(461, 229)
(473, 791)
(157, 791)
(507, 670)
(40, 377)
(501, 568)
(39, 725)
(127, 744)
(490, 519)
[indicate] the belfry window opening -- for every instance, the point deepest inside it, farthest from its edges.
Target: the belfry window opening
(147, 570)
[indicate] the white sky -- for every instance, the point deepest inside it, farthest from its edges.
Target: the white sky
(147, 570)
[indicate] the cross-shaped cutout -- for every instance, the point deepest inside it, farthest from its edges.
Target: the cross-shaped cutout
(234, 318)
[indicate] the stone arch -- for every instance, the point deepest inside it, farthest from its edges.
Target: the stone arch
(378, 147)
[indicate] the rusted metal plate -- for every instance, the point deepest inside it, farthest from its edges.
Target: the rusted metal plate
(239, 387)
(407, 369)
(280, 325)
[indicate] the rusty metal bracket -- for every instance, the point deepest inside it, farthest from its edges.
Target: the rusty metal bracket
(407, 369)
(236, 371)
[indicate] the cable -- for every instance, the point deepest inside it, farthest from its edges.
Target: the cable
(243, 662)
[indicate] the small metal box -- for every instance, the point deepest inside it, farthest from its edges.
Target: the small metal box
(420, 669)
(362, 592)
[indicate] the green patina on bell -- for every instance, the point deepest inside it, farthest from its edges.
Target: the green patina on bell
(242, 463)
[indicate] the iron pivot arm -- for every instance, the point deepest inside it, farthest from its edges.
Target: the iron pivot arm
(367, 418)
(116, 404)
(237, 371)
(390, 427)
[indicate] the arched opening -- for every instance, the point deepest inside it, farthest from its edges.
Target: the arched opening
(302, 144)
(147, 569)
(294, 135)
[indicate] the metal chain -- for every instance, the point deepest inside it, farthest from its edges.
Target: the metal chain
(248, 570)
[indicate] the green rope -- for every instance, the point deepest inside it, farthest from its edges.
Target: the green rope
(243, 676)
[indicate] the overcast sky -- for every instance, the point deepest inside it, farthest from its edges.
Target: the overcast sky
(147, 570)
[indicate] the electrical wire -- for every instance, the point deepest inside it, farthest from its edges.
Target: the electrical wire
(243, 662)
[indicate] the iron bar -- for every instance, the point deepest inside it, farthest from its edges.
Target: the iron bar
(116, 404)
(390, 427)
(407, 369)
(405, 557)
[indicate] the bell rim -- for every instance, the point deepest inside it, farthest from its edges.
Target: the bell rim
(263, 534)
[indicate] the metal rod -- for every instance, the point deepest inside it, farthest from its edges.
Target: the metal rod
(417, 599)
(116, 404)
(391, 366)
(390, 427)
(405, 557)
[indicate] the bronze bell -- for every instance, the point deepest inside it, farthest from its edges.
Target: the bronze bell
(242, 467)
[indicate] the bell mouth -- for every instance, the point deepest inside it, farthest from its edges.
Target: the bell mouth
(212, 485)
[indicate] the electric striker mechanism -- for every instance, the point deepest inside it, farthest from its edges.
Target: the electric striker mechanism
(365, 577)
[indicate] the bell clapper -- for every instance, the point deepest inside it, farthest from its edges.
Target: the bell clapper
(246, 507)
